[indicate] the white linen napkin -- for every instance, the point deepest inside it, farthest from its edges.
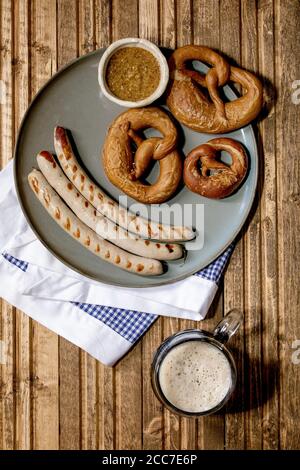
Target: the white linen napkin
(103, 320)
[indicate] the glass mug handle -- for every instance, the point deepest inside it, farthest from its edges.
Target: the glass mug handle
(228, 325)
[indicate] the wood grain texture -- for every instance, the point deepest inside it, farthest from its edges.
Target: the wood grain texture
(206, 14)
(69, 355)
(183, 14)
(252, 255)
(45, 345)
(268, 205)
(287, 17)
(172, 423)
(106, 375)
(53, 395)
(128, 373)
(153, 418)
(21, 86)
(6, 148)
(89, 394)
(230, 44)
(102, 22)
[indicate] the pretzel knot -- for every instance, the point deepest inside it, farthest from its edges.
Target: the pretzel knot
(145, 152)
(125, 166)
(215, 179)
(187, 99)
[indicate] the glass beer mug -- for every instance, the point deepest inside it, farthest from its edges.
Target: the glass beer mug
(193, 372)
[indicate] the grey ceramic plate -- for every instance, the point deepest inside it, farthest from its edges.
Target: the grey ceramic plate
(72, 99)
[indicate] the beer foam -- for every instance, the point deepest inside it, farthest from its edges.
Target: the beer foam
(195, 376)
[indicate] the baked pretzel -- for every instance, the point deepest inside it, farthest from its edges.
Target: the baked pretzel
(124, 167)
(215, 179)
(190, 105)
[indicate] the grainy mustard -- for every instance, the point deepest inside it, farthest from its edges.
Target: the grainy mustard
(132, 73)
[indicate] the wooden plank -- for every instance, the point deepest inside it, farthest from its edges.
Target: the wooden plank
(23, 323)
(287, 40)
(106, 375)
(172, 423)
(128, 413)
(102, 22)
(148, 20)
(69, 396)
(152, 409)
(7, 396)
(234, 298)
(153, 419)
(128, 373)
(184, 22)
(44, 342)
(89, 402)
(168, 24)
(270, 355)
(86, 25)
(189, 427)
(66, 31)
(69, 356)
(233, 281)
(89, 372)
(253, 295)
(230, 29)
(106, 407)
(124, 20)
(7, 389)
(206, 22)
(211, 428)
(205, 32)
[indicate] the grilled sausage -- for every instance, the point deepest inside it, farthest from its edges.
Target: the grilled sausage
(106, 205)
(67, 220)
(97, 221)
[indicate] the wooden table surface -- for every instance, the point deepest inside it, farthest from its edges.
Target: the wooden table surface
(52, 394)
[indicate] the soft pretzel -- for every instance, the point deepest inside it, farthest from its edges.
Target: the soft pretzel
(215, 179)
(190, 105)
(124, 169)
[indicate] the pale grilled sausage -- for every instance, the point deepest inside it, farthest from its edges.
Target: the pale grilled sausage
(107, 206)
(97, 221)
(67, 220)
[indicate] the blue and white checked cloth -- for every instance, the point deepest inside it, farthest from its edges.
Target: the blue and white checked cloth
(105, 321)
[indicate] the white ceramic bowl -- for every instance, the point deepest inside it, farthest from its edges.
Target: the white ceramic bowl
(133, 42)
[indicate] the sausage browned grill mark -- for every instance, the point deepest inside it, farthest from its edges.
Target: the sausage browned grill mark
(215, 179)
(106, 205)
(190, 105)
(97, 221)
(84, 235)
(125, 171)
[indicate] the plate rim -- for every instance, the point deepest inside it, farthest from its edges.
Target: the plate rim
(90, 276)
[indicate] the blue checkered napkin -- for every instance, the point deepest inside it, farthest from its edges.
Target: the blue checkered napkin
(131, 324)
(128, 323)
(213, 272)
(16, 262)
